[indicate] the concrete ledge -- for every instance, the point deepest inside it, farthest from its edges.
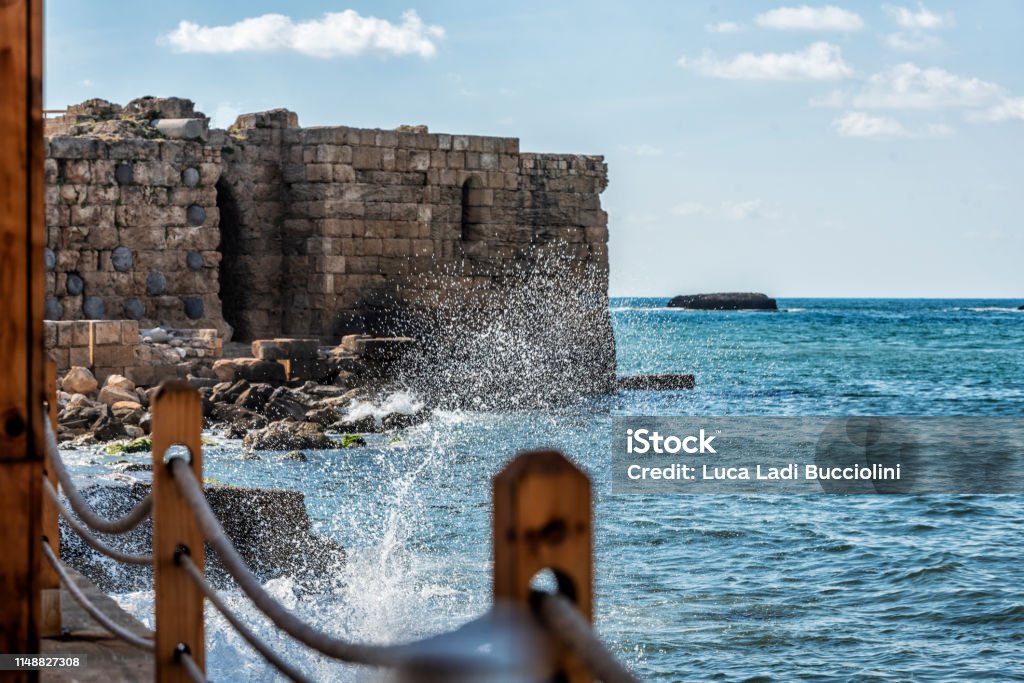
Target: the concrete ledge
(109, 659)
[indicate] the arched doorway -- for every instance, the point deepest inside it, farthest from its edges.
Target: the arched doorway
(233, 291)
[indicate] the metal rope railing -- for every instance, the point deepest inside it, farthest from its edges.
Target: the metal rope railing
(566, 623)
(95, 612)
(86, 535)
(562, 618)
(132, 519)
(356, 653)
(190, 666)
(262, 648)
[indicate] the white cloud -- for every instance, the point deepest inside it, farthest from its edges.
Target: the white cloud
(819, 62)
(858, 124)
(806, 18)
(741, 211)
(87, 83)
(923, 18)
(914, 41)
(336, 34)
(723, 27)
(1010, 109)
(908, 86)
(690, 209)
(643, 150)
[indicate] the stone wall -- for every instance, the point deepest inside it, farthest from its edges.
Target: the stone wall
(132, 231)
(115, 347)
(271, 229)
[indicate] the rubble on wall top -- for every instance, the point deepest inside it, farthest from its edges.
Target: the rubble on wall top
(99, 118)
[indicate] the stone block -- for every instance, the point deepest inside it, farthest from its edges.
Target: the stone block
(249, 369)
(278, 349)
(118, 356)
(79, 355)
(306, 369)
(81, 335)
(106, 332)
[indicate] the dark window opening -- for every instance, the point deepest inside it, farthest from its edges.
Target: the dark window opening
(233, 292)
(473, 209)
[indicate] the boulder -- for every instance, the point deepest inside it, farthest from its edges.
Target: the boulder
(228, 392)
(79, 380)
(725, 301)
(112, 395)
(120, 382)
(393, 421)
(255, 397)
(251, 369)
(270, 528)
(1021, 307)
(108, 428)
(287, 435)
(128, 412)
(322, 416)
(360, 425)
(239, 419)
(80, 414)
(284, 404)
(296, 456)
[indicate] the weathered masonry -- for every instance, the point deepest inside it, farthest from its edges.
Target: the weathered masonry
(270, 229)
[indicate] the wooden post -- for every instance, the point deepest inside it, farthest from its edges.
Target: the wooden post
(542, 520)
(49, 582)
(22, 391)
(177, 420)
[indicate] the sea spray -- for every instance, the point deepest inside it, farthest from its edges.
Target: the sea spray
(535, 331)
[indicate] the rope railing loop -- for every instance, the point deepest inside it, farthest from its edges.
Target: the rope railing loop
(91, 609)
(87, 536)
(185, 560)
(356, 653)
(81, 507)
(560, 616)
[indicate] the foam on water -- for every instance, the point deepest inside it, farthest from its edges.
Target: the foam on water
(404, 402)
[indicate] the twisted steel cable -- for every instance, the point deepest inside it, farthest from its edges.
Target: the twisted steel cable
(95, 612)
(356, 653)
(132, 519)
(566, 623)
(265, 651)
(86, 535)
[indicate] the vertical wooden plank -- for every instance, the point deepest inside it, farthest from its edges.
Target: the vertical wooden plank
(542, 520)
(49, 582)
(22, 392)
(177, 419)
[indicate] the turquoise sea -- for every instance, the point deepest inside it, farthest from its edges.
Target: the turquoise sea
(721, 588)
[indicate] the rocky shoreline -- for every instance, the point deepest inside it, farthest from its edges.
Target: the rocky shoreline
(263, 400)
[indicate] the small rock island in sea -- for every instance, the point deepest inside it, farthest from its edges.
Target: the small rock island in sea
(726, 301)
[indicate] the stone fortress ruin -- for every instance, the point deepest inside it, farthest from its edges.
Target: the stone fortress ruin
(269, 229)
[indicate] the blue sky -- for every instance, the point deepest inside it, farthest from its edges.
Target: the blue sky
(842, 149)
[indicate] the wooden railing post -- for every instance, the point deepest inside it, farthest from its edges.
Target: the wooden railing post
(49, 582)
(177, 420)
(22, 391)
(542, 520)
